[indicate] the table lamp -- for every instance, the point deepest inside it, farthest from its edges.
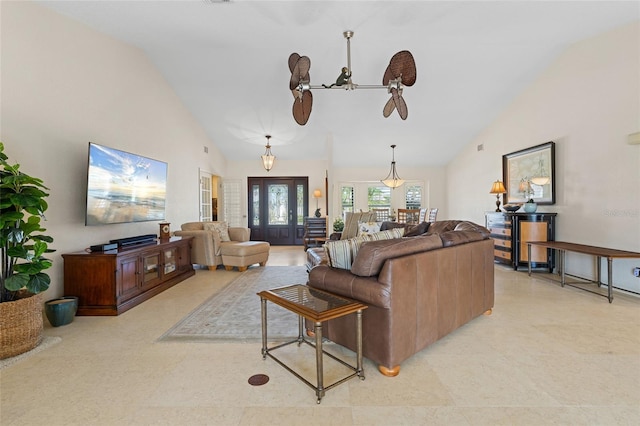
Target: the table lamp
(317, 194)
(498, 188)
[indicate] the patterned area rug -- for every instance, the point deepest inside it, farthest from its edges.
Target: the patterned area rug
(233, 314)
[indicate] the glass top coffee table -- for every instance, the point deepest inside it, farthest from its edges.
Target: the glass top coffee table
(318, 306)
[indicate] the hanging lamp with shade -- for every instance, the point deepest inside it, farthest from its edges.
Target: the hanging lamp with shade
(268, 158)
(393, 180)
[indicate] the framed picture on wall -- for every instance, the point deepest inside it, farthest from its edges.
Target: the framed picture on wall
(530, 174)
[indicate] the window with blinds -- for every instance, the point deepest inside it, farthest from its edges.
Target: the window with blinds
(346, 199)
(378, 196)
(413, 196)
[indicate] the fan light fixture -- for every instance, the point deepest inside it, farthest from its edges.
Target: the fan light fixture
(392, 180)
(268, 158)
(400, 72)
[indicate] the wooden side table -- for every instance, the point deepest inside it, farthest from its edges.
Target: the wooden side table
(598, 252)
(318, 306)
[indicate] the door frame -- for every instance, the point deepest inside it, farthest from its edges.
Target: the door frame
(259, 229)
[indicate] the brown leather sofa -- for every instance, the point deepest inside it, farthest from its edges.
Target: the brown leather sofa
(418, 289)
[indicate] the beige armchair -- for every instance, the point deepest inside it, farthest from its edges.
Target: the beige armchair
(206, 245)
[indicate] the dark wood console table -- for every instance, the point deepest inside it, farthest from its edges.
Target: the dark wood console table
(112, 282)
(599, 252)
(315, 231)
(511, 232)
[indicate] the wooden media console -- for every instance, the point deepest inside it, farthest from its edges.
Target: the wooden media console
(112, 282)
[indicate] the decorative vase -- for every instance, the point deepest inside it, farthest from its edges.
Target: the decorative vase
(20, 325)
(61, 311)
(530, 207)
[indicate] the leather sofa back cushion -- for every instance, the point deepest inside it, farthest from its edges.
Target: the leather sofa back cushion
(454, 238)
(373, 254)
(443, 226)
(470, 226)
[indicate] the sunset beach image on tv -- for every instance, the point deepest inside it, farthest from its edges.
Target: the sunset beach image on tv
(124, 187)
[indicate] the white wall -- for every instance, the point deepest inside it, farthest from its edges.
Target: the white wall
(64, 85)
(588, 102)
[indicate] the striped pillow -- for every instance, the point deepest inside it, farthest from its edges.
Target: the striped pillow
(342, 252)
(389, 234)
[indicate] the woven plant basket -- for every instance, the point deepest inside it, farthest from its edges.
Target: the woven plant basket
(20, 325)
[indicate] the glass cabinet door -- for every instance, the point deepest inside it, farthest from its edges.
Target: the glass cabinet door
(151, 268)
(170, 257)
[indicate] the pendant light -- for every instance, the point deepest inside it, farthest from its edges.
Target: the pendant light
(268, 158)
(392, 180)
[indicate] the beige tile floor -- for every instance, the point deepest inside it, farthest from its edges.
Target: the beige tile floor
(547, 355)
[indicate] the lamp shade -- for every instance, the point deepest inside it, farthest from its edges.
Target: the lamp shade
(392, 180)
(498, 188)
(268, 159)
(317, 193)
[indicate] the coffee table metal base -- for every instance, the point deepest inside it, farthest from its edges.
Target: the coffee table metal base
(319, 387)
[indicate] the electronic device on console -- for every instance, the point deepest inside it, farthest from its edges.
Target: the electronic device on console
(133, 241)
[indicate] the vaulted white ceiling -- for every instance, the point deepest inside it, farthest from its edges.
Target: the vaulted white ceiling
(227, 61)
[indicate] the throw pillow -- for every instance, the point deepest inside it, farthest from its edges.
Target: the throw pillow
(351, 223)
(221, 228)
(390, 225)
(387, 235)
(342, 252)
(417, 230)
(365, 228)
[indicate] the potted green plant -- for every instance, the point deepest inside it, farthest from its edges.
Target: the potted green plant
(338, 225)
(22, 249)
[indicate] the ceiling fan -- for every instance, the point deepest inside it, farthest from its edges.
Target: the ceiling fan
(400, 72)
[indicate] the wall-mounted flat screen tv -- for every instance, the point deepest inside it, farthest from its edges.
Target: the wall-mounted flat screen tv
(124, 187)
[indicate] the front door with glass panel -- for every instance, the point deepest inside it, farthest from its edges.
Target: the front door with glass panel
(277, 209)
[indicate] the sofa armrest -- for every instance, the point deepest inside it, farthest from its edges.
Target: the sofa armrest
(342, 282)
(239, 234)
(204, 247)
